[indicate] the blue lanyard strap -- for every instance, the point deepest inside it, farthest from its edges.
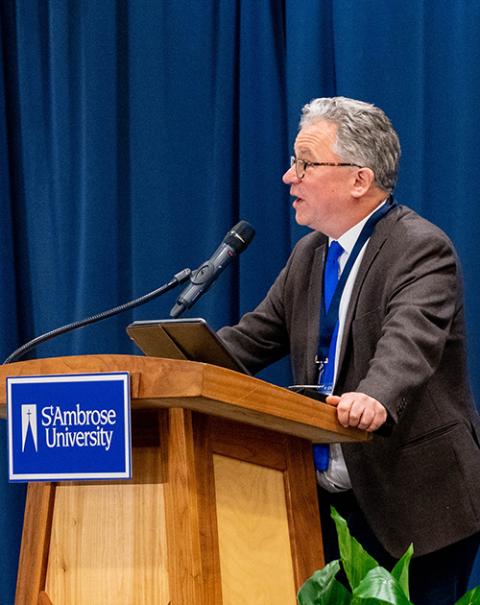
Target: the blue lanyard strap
(328, 320)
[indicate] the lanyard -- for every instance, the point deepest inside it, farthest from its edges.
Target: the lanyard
(329, 320)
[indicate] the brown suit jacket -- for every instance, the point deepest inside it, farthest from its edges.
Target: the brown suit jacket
(404, 345)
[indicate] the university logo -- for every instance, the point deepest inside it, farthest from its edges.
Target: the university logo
(69, 427)
(29, 425)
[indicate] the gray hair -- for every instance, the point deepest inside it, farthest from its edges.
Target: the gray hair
(365, 135)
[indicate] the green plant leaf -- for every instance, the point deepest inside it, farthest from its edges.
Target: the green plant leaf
(400, 571)
(323, 589)
(472, 597)
(356, 560)
(379, 586)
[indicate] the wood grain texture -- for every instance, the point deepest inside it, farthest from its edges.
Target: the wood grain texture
(35, 543)
(249, 443)
(293, 457)
(108, 540)
(206, 497)
(155, 538)
(183, 528)
(205, 388)
(43, 599)
(255, 554)
(303, 511)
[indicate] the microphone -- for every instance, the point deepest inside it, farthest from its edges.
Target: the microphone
(236, 240)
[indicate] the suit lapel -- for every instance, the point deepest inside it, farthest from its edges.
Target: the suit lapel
(375, 243)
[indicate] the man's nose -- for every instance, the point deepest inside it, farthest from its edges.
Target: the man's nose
(290, 176)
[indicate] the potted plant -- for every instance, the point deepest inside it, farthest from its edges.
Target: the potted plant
(369, 582)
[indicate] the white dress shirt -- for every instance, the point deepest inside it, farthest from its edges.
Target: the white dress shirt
(336, 477)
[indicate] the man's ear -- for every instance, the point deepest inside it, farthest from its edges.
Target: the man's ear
(364, 179)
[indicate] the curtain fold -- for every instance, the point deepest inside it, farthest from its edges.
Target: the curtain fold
(12, 497)
(133, 135)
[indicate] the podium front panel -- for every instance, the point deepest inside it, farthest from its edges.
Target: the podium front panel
(108, 540)
(254, 542)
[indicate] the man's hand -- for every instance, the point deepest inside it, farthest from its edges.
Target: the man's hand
(358, 410)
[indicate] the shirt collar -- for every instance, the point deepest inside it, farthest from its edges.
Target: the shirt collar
(348, 239)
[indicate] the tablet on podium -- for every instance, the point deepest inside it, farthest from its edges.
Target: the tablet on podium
(191, 339)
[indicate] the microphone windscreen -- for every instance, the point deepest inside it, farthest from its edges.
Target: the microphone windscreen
(240, 236)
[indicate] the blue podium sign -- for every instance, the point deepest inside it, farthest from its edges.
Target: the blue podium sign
(69, 427)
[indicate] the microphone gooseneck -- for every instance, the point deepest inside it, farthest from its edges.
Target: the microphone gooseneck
(177, 279)
(236, 240)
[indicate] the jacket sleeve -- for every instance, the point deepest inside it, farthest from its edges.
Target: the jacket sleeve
(261, 337)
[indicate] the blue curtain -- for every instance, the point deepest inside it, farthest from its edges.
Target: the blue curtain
(11, 496)
(133, 134)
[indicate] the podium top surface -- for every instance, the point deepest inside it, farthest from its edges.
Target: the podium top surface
(169, 383)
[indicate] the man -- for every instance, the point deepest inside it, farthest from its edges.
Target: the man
(392, 351)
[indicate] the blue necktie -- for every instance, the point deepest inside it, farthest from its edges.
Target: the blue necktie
(330, 279)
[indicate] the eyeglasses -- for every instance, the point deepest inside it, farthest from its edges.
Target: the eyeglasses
(302, 165)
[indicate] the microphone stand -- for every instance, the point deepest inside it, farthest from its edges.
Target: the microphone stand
(177, 279)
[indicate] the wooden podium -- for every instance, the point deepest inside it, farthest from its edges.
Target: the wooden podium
(222, 508)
